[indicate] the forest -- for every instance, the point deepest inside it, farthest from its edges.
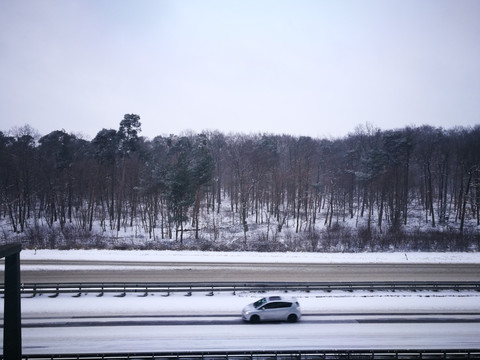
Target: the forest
(415, 188)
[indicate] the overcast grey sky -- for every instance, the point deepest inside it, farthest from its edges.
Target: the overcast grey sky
(297, 67)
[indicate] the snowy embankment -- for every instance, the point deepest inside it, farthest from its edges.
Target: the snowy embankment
(226, 303)
(254, 257)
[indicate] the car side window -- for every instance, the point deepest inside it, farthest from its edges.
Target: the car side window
(270, 306)
(276, 305)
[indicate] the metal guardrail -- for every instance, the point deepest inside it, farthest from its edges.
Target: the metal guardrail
(144, 288)
(274, 355)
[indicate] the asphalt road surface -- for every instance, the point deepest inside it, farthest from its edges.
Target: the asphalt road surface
(99, 271)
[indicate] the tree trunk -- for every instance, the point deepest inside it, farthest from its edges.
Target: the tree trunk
(465, 197)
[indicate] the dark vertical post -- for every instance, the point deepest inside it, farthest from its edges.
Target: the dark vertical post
(12, 328)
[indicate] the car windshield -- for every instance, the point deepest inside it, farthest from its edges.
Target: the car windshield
(259, 303)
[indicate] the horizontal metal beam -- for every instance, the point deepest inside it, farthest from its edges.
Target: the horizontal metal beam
(33, 289)
(276, 355)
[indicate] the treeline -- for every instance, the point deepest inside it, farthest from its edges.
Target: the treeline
(199, 186)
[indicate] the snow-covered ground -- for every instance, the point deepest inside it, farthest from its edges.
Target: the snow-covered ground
(322, 302)
(254, 257)
(340, 312)
(341, 320)
(229, 304)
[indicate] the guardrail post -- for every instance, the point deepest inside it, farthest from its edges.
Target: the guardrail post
(124, 292)
(56, 294)
(79, 292)
(101, 291)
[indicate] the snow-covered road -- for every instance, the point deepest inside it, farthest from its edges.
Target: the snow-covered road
(449, 319)
(337, 319)
(278, 336)
(186, 266)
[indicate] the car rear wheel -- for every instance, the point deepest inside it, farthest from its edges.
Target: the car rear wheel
(292, 318)
(255, 319)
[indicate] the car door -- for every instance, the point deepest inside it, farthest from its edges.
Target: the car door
(271, 311)
(284, 309)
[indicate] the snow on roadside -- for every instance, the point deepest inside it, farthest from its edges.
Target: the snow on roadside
(225, 303)
(253, 257)
(324, 303)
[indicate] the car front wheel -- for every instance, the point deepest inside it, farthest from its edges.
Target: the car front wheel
(255, 319)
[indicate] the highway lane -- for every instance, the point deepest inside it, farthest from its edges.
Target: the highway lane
(98, 271)
(207, 336)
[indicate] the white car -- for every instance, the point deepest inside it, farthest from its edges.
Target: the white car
(272, 308)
